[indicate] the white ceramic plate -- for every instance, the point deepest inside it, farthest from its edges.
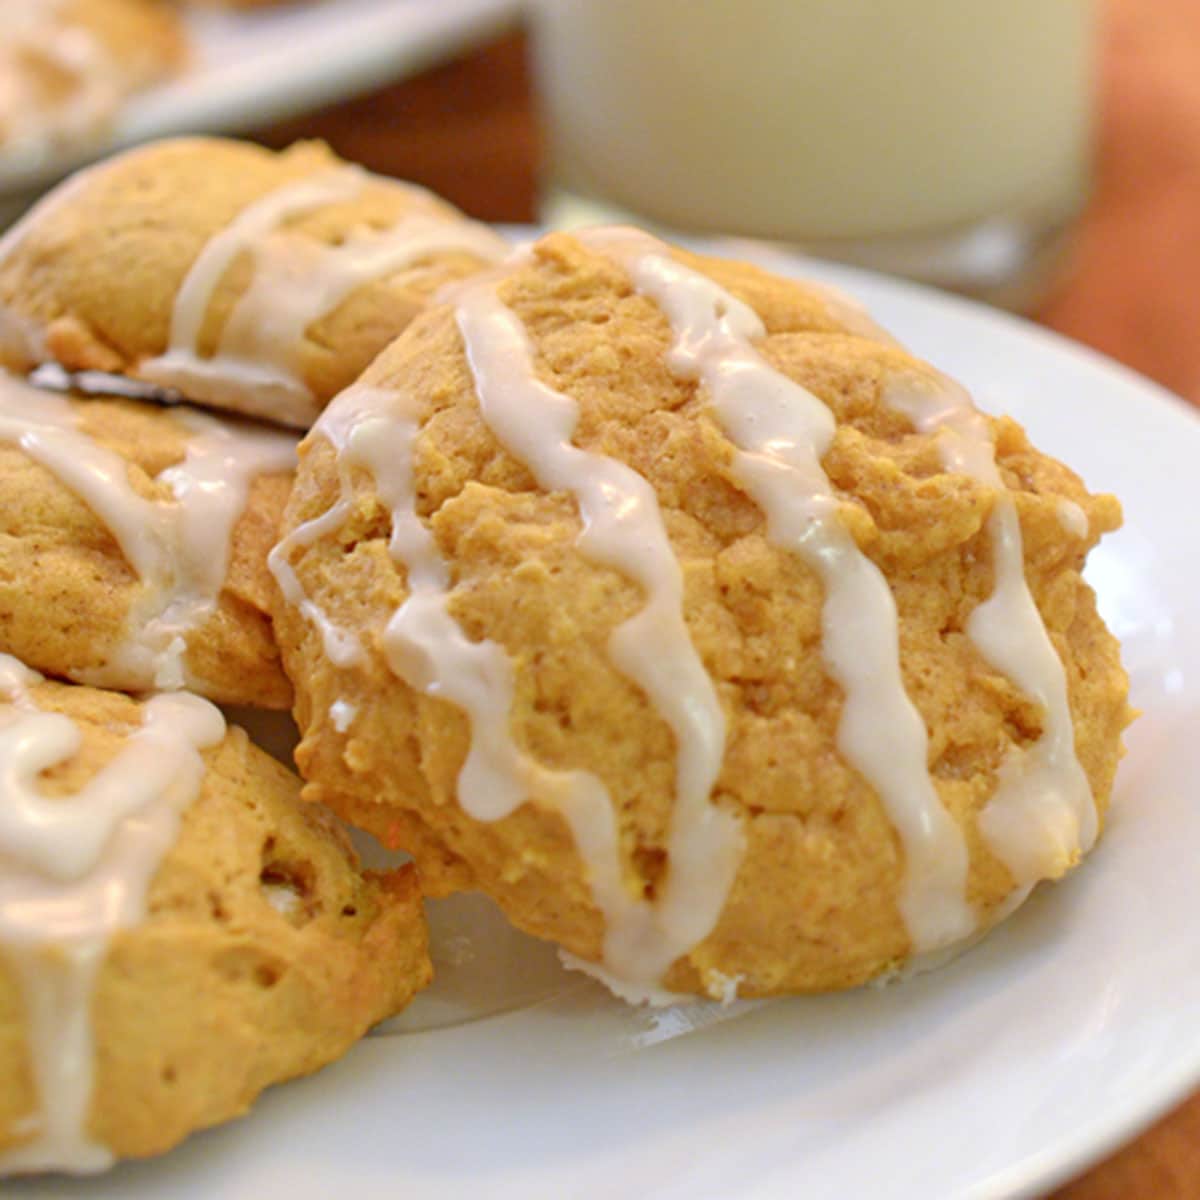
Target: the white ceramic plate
(251, 68)
(1064, 1033)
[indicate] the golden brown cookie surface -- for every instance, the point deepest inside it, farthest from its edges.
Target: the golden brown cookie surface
(133, 544)
(263, 953)
(818, 895)
(254, 281)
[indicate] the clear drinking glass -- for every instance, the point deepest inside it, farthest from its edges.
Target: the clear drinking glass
(948, 140)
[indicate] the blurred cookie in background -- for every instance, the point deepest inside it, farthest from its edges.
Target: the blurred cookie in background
(66, 66)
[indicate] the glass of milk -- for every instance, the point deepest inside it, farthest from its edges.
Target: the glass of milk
(948, 140)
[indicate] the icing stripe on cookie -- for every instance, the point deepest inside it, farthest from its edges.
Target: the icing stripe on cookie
(1072, 518)
(341, 646)
(623, 529)
(296, 281)
(180, 547)
(782, 431)
(181, 365)
(299, 280)
(1042, 816)
(73, 871)
(847, 310)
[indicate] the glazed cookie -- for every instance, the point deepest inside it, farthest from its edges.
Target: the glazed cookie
(133, 544)
(177, 929)
(735, 652)
(66, 66)
(258, 282)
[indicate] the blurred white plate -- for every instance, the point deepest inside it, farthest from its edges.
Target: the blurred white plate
(251, 68)
(1064, 1033)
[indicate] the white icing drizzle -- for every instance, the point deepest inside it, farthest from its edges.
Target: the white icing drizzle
(15, 681)
(782, 431)
(282, 897)
(847, 310)
(297, 280)
(342, 647)
(1072, 518)
(623, 988)
(1042, 815)
(179, 548)
(725, 987)
(623, 529)
(74, 871)
(217, 379)
(342, 714)
(37, 40)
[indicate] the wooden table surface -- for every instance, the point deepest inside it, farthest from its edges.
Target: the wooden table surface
(468, 130)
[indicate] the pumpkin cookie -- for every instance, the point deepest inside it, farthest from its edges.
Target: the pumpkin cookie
(237, 277)
(133, 544)
(177, 930)
(730, 649)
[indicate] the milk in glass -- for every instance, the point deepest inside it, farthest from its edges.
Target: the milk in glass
(824, 122)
